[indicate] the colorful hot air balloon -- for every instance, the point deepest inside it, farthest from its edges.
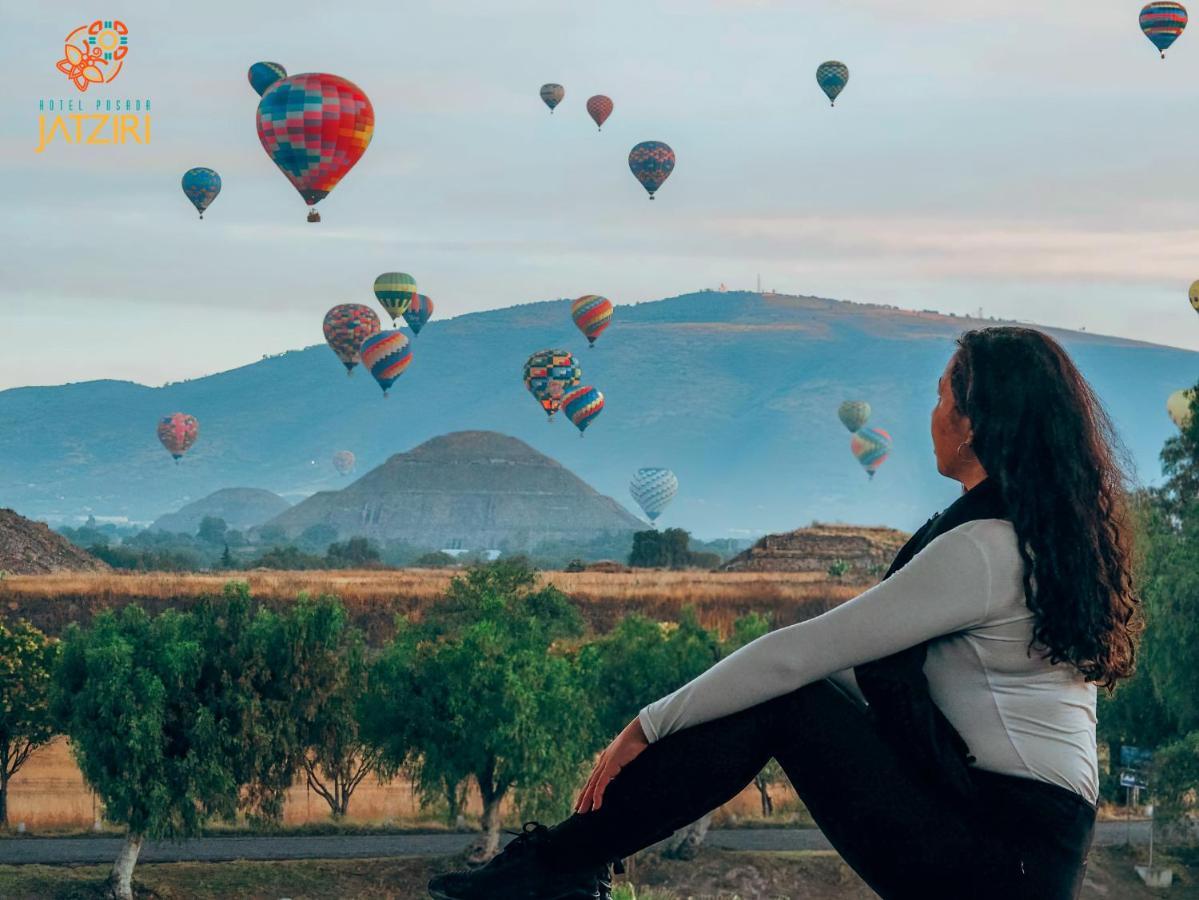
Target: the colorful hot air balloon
(346, 327)
(653, 489)
(1194, 295)
(549, 375)
(552, 95)
(418, 313)
(651, 163)
(1163, 23)
(387, 354)
(315, 127)
(599, 108)
(832, 76)
(178, 432)
(395, 290)
(870, 446)
(1178, 406)
(854, 414)
(343, 462)
(263, 74)
(592, 314)
(201, 186)
(582, 405)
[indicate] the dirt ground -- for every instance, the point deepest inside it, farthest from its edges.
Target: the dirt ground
(714, 875)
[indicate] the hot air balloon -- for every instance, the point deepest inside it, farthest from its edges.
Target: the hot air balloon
(552, 95)
(263, 74)
(832, 76)
(549, 375)
(870, 446)
(418, 313)
(343, 462)
(592, 314)
(395, 291)
(1178, 406)
(651, 163)
(1194, 295)
(346, 327)
(599, 108)
(201, 186)
(387, 354)
(1163, 23)
(854, 414)
(315, 127)
(653, 489)
(178, 432)
(582, 405)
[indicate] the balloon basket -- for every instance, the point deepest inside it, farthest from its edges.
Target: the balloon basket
(313, 216)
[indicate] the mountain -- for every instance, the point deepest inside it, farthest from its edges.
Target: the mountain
(468, 490)
(241, 508)
(30, 548)
(736, 392)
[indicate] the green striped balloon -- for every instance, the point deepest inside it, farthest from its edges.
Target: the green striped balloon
(396, 291)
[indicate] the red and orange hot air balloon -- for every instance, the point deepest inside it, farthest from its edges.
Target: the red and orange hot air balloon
(599, 108)
(178, 432)
(592, 314)
(315, 127)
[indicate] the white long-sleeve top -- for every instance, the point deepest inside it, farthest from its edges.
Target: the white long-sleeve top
(964, 593)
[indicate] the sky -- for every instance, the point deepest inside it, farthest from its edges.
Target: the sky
(1032, 160)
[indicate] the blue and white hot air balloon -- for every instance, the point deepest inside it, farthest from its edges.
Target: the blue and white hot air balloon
(653, 489)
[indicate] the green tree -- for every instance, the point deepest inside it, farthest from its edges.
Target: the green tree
(660, 549)
(483, 689)
(27, 660)
(212, 530)
(317, 538)
(435, 559)
(289, 558)
(356, 553)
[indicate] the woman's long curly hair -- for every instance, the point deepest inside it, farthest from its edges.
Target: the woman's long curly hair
(1042, 434)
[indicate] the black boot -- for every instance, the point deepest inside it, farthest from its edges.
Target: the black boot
(522, 871)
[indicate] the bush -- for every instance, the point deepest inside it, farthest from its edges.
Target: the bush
(838, 568)
(356, 553)
(437, 559)
(288, 557)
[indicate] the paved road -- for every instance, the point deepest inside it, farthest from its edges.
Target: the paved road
(76, 851)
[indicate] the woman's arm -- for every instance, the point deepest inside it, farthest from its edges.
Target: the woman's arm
(945, 588)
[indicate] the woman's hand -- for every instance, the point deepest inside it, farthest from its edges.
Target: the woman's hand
(626, 746)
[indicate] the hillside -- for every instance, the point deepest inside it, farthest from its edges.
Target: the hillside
(736, 392)
(471, 489)
(241, 508)
(816, 548)
(31, 548)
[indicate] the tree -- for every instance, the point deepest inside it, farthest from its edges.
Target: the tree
(212, 530)
(27, 660)
(436, 559)
(227, 558)
(660, 549)
(289, 558)
(272, 534)
(356, 553)
(317, 538)
(481, 689)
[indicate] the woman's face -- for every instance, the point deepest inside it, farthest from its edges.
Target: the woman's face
(950, 430)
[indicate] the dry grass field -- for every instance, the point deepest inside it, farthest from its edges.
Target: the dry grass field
(375, 597)
(49, 792)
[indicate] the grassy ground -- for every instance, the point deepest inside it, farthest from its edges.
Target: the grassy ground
(715, 874)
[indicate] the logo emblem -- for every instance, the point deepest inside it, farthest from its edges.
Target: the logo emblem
(94, 54)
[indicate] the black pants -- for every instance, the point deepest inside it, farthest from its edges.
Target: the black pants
(1022, 839)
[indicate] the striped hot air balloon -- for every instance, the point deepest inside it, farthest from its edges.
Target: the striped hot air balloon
(870, 446)
(201, 185)
(1163, 23)
(582, 405)
(832, 76)
(387, 354)
(263, 74)
(552, 94)
(418, 313)
(549, 375)
(395, 292)
(854, 414)
(651, 163)
(653, 489)
(1178, 407)
(1193, 295)
(346, 327)
(592, 314)
(178, 432)
(315, 127)
(599, 108)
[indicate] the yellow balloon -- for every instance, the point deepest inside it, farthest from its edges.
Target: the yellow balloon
(1179, 407)
(1194, 292)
